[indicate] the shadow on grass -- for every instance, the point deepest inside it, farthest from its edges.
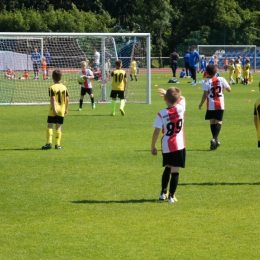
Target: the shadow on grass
(199, 150)
(114, 201)
(21, 149)
(93, 115)
(187, 150)
(218, 183)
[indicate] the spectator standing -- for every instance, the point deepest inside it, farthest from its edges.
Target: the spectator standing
(215, 61)
(36, 59)
(44, 68)
(226, 64)
(96, 62)
(174, 57)
(193, 62)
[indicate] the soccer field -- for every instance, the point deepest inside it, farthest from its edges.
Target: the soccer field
(98, 197)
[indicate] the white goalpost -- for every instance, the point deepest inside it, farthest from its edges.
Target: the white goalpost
(67, 50)
(229, 52)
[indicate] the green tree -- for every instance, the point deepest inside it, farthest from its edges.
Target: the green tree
(157, 20)
(205, 18)
(51, 20)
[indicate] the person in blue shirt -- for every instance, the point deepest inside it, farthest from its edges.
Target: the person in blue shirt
(183, 74)
(193, 62)
(211, 61)
(36, 59)
(202, 65)
(187, 62)
(47, 56)
(243, 61)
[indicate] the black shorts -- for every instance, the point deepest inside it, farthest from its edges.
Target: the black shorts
(86, 90)
(55, 120)
(175, 159)
(214, 114)
(36, 66)
(117, 93)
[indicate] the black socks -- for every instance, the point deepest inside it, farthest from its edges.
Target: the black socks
(166, 178)
(215, 130)
(174, 182)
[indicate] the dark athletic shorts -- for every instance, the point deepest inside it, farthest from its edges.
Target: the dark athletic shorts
(55, 120)
(85, 90)
(36, 66)
(176, 159)
(117, 93)
(216, 114)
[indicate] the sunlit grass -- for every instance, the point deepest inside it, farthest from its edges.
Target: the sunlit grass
(97, 198)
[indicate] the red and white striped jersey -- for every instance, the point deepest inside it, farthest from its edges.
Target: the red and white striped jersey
(171, 121)
(87, 83)
(215, 98)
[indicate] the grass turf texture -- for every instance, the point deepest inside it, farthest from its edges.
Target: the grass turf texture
(36, 91)
(97, 198)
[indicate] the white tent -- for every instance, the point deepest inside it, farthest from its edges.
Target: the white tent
(15, 61)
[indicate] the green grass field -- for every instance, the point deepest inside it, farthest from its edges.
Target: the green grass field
(98, 197)
(32, 91)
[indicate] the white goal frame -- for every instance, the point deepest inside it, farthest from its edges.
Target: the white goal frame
(100, 35)
(232, 46)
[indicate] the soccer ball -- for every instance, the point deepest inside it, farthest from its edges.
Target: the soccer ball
(81, 79)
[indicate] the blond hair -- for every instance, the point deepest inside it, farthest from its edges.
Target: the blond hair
(173, 94)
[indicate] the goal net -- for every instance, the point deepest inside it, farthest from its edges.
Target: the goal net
(230, 52)
(66, 51)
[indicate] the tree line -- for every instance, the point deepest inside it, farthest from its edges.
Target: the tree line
(170, 22)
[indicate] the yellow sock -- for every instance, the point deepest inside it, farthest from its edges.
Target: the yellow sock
(122, 104)
(58, 137)
(49, 133)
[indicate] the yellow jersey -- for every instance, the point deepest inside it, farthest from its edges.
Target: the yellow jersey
(118, 76)
(133, 67)
(60, 92)
(231, 70)
(257, 113)
(250, 78)
(246, 70)
(238, 70)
